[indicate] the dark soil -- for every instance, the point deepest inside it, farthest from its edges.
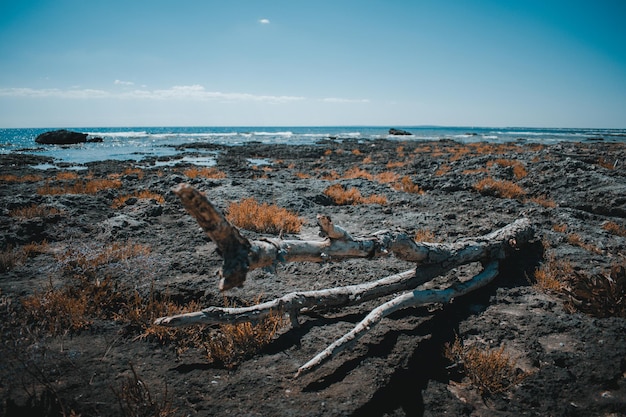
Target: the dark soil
(575, 361)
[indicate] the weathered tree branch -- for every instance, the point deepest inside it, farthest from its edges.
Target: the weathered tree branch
(433, 259)
(241, 255)
(409, 299)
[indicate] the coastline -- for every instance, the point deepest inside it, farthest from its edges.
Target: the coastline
(570, 191)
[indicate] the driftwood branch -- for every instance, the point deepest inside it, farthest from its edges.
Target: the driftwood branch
(241, 255)
(432, 259)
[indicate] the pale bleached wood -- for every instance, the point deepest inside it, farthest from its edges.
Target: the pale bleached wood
(409, 299)
(241, 255)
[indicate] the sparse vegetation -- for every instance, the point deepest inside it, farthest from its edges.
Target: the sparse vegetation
(614, 228)
(491, 371)
(499, 188)
(552, 273)
(599, 295)
(543, 200)
(92, 186)
(265, 218)
(352, 196)
(136, 399)
(33, 211)
(140, 195)
(204, 172)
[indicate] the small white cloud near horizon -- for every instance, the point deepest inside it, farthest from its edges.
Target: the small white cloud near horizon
(264, 21)
(120, 82)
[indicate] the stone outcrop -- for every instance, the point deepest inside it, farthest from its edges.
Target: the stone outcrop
(61, 137)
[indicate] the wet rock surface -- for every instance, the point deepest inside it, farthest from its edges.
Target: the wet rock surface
(576, 363)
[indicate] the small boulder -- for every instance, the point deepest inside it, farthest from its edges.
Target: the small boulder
(61, 137)
(399, 132)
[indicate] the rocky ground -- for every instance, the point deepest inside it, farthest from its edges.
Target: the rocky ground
(570, 353)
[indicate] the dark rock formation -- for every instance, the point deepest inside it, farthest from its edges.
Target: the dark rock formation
(61, 137)
(399, 132)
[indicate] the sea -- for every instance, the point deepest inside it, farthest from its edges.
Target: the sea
(138, 143)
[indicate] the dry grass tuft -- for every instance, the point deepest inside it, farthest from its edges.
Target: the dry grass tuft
(599, 295)
(302, 175)
(425, 235)
(134, 171)
(205, 172)
(500, 188)
(408, 186)
(544, 201)
(614, 229)
(265, 218)
(352, 196)
(92, 186)
(387, 177)
(135, 399)
(11, 257)
(14, 178)
(491, 371)
(140, 195)
(607, 164)
(442, 170)
(33, 211)
(575, 240)
(519, 170)
(356, 172)
(552, 273)
(560, 228)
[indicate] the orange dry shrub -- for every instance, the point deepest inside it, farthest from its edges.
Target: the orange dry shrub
(395, 164)
(136, 171)
(490, 370)
(386, 177)
(15, 178)
(81, 187)
(205, 172)
(331, 176)
(575, 240)
(552, 273)
(544, 201)
(264, 218)
(607, 164)
(504, 189)
(519, 171)
(475, 171)
(141, 195)
(356, 172)
(344, 197)
(560, 228)
(66, 175)
(425, 235)
(408, 186)
(302, 175)
(367, 160)
(356, 152)
(442, 170)
(33, 211)
(614, 229)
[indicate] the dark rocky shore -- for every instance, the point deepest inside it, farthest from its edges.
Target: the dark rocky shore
(571, 348)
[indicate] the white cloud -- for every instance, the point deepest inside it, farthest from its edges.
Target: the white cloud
(120, 82)
(179, 92)
(264, 21)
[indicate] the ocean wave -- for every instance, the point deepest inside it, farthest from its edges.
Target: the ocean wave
(130, 134)
(285, 133)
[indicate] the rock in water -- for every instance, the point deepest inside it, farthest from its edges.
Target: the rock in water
(398, 132)
(61, 137)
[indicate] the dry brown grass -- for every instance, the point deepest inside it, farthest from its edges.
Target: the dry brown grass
(265, 218)
(204, 172)
(614, 229)
(560, 228)
(519, 170)
(92, 186)
(600, 295)
(302, 175)
(575, 240)
(136, 399)
(367, 160)
(356, 152)
(352, 196)
(499, 188)
(543, 200)
(134, 171)
(14, 178)
(356, 172)
(10, 257)
(604, 163)
(491, 371)
(66, 176)
(407, 185)
(395, 164)
(386, 177)
(140, 195)
(425, 235)
(330, 176)
(33, 211)
(475, 171)
(442, 170)
(552, 273)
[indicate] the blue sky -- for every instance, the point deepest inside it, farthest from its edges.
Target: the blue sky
(77, 63)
